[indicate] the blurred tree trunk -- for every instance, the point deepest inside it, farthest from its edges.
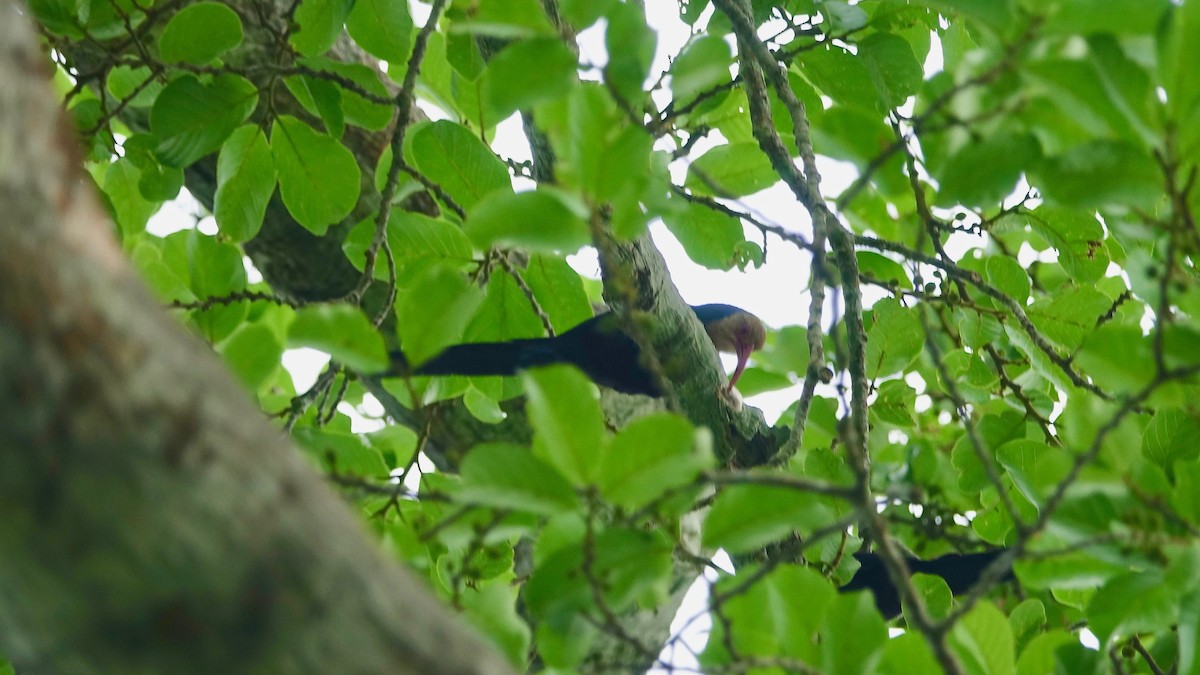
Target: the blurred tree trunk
(150, 521)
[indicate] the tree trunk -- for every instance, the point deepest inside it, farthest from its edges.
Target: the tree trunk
(151, 520)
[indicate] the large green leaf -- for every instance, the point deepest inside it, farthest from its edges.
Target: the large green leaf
(200, 33)
(526, 73)
(709, 237)
(540, 220)
(454, 158)
(245, 183)
(343, 332)
(319, 22)
(381, 27)
(894, 339)
(745, 517)
(434, 312)
(732, 170)
(318, 177)
(702, 66)
(558, 290)
(892, 68)
(630, 44)
(1100, 173)
(565, 413)
(506, 476)
(192, 119)
(651, 456)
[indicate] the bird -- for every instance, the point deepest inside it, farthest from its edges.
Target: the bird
(598, 347)
(960, 571)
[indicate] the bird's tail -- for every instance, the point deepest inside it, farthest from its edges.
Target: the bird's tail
(486, 358)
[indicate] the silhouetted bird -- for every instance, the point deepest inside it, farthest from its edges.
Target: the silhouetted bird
(960, 571)
(599, 348)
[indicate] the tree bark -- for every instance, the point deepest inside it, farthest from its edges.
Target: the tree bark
(152, 521)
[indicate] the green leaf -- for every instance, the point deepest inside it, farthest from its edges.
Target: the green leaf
(357, 110)
(783, 614)
(702, 66)
(1068, 315)
(892, 67)
(191, 119)
(894, 403)
(434, 312)
(1100, 173)
(396, 443)
(155, 181)
(852, 637)
(1178, 54)
(1041, 656)
(1118, 358)
(565, 412)
(343, 332)
(61, 17)
(840, 76)
(582, 13)
(906, 654)
(1172, 435)
(650, 456)
(340, 453)
(1083, 17)
(1035, 468)
(214, 270)
(506, 476)
(1076, 235)
(1189, 634)
(482, 406)
(253, 353)
(200, 33)
(245, 183)
(1072, 571)
(844, 17)
(745, 517)
(935, 593)
(996, 15)
(983, 640)
(882, 268)
(1027, 620)
(454, 158)
(462, 51)
(708, 236)
(983, 172)
(894, 339)
(731, 170)
(630, 45)
(129, 83)
(318, 176)
(559, 290)
(131, 209)
(321, 97)
(1133, 603)
(382, 28)
(539, 220)
(505, 314)
(492, 609)
(509, 19)
(319, 23)
(526, 73)
(1009, 276)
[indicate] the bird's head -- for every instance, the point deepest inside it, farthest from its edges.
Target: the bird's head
(734, 331)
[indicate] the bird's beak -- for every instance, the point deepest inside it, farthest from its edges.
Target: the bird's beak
(743, 350)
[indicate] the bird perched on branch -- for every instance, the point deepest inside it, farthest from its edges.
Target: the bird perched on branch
(960, 572)
(599, 348)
